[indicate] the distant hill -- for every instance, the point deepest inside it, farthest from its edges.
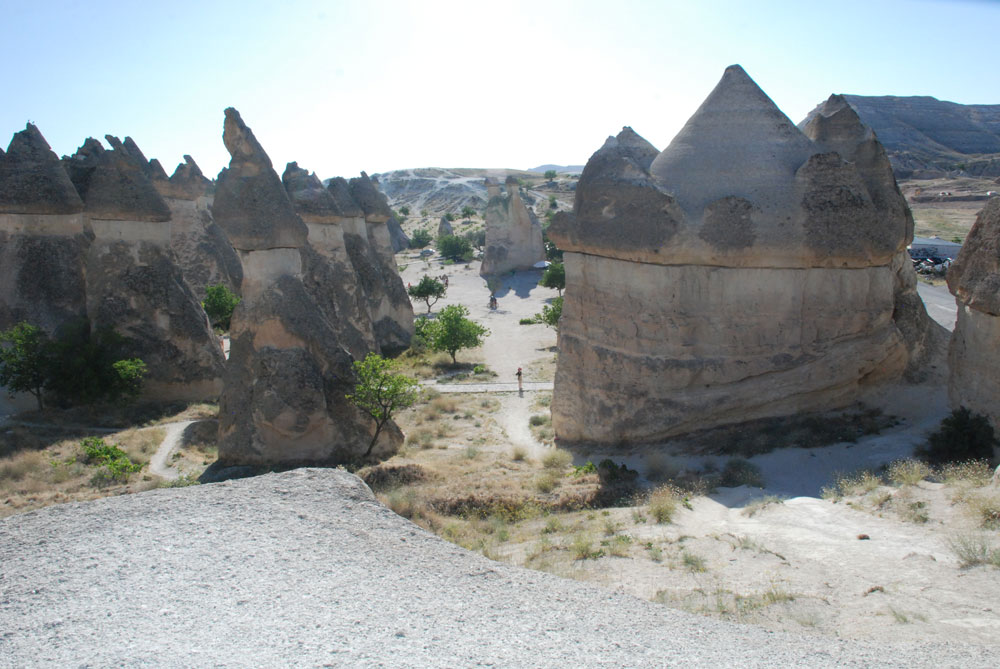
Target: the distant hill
(562, 169)
(927, 137)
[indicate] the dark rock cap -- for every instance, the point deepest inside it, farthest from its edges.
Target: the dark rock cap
(156, 171)
(31, 179)
(340, 191)
(187, 181)
(250, 203)
(113, 184)
(372, 202)
(307, 193)
(974, 277)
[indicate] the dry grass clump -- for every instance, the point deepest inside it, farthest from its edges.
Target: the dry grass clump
(16, 467)
(557, 459)
(444, 404)
(848, 485)
(546, 482)
(761, 503)
(661, 467)
(386, 477)
(976, 473)
(986, 507)
(663, 504)
(518, 454)
(737, 472)
(974, 549)
(908, 472)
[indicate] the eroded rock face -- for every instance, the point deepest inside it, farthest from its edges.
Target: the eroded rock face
(835, 126)
(370, 249)
(134, 284)
(745, 271)
(974, 355)
(200, 246)
(43, 237)
(513, 235)
(327, 272)
(288, 373)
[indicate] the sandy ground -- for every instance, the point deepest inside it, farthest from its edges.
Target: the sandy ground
(795, 565)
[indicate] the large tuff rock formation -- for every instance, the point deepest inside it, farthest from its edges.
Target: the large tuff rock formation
(835, 126)
(745, 271)
(974, 356)
(134, 284)
(327, 272)
(370, 249)
(924, 135)
(513, 235)
(200, 246)
(43, 237)
(284, 396)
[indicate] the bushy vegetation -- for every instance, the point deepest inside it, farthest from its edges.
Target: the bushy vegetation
(114, 464)
(554, 276)
(219, 304)
(962, 436)
(551, 313)
(737, 472)
(454, 247)
(380, 391)
(77, 367)
(420, 238)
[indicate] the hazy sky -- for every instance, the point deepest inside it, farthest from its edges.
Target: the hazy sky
(343, 86)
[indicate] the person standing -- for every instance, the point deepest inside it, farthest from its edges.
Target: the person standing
(520, 385)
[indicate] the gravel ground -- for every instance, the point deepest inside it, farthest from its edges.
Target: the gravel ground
(306, 568)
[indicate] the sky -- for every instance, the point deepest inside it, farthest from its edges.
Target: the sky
(376, 85)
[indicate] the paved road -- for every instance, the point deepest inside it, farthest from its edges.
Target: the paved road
(940, 304)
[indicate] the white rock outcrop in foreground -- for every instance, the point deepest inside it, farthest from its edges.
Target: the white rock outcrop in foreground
(746, 271)
(306, 568)
(974, 356)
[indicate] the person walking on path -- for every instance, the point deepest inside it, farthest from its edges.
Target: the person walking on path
(520, 386)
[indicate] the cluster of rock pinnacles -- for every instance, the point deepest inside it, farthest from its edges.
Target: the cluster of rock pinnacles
(105, 236)
(751, 269)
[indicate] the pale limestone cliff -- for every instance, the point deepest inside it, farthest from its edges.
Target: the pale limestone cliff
(974, 355)
(746, 271)
(513, 235)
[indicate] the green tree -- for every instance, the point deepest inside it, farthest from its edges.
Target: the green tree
(219, 304)
(404, 210)
(379, 391)
(450, 217)
(554, 276)
(551, 313)
(550, 175)
(468, 212)
(420, 238)
(452, 331)
(24, 360)
(455, 247)
(552, 202)
(428, 289)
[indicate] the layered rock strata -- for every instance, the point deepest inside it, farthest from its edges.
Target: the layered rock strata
(513, 235)
(283, 401)
(44, 237)
(974, 355)
(134, 284)
(746, 271)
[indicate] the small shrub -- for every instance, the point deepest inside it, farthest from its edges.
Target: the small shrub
(618, 545)
(552, 525)
(908, 472)
(761, 503)
(737, 472)
(661, 467)
(693, 562)
(518, 454)
(974, 549)
(546, 482)
(471, 452)
(987, 508)
(962, 436)
(663, 504)
(114, 463)
(538, 419)
(556, 459)
(583, 548)
(219, 305)
(587, 468)
(528, 321)
(403, 502)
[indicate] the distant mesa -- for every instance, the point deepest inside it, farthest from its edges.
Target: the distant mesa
(748, 270)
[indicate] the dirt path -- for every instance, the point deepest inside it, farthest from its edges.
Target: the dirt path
(158, 464)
